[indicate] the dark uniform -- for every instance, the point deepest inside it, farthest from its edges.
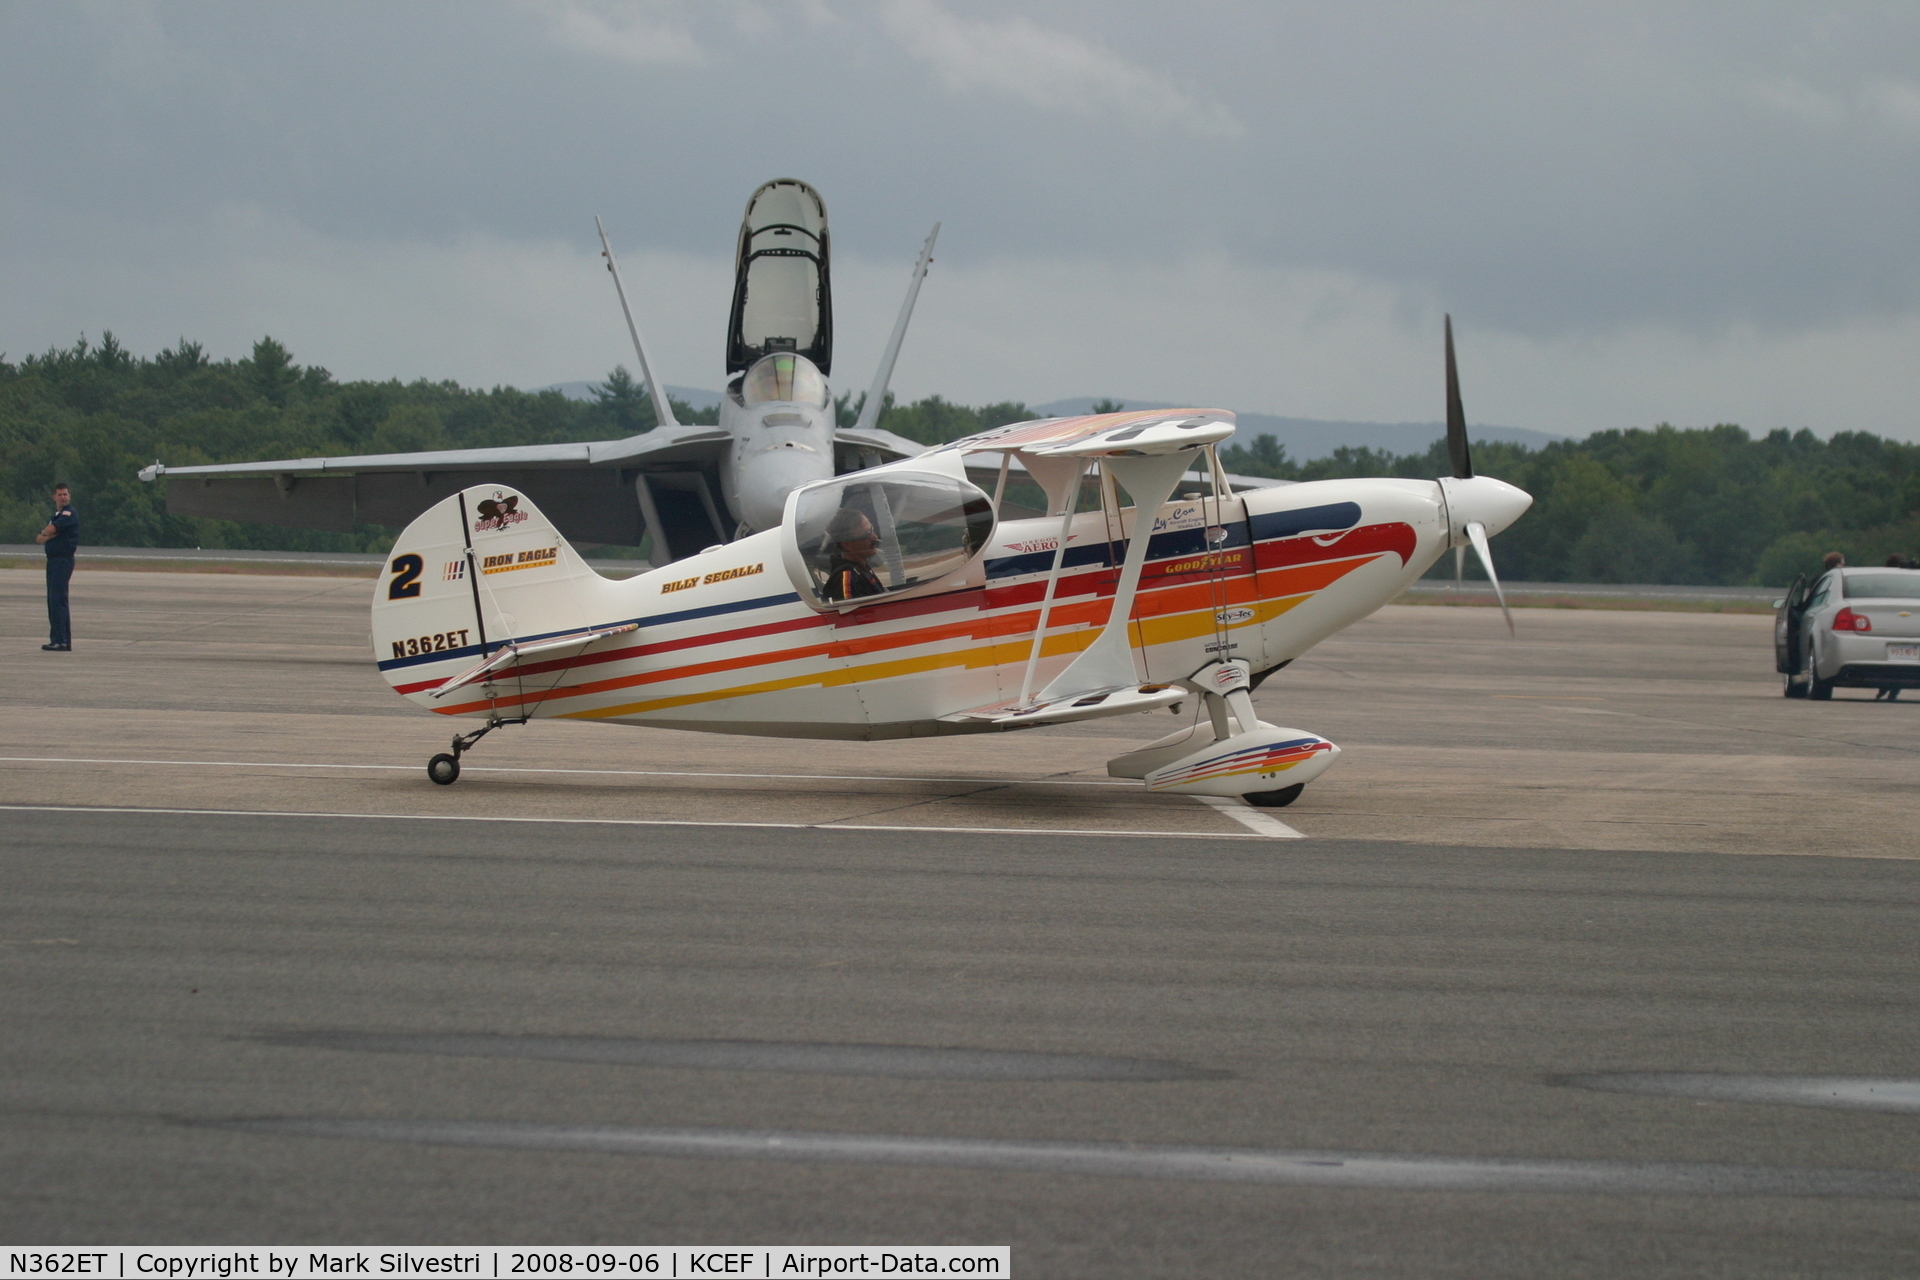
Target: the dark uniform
(60, 548)
(849, 580)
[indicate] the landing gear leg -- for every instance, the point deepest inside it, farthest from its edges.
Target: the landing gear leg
(445, 769)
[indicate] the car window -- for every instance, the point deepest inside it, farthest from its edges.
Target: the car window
(1894, 584)
(1819, 596)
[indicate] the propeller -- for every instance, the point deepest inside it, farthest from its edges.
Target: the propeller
(1478, 533)
(1457, 451)
(1462, 459)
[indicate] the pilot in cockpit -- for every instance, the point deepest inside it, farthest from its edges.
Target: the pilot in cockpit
(851, 542)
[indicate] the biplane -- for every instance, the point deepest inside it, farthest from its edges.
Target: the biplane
(906, 600)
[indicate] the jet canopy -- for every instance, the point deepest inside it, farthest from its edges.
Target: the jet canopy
(781, 298)
(784, 377)
(926, 526)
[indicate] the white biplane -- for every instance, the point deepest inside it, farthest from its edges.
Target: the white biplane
(900, 602)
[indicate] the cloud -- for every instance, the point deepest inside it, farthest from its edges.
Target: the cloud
(1795, 98)
(1897, 102)
(628, 34)
(1049, 69)
(486, 309)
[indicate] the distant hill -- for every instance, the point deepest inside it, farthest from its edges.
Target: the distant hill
(1309, 438)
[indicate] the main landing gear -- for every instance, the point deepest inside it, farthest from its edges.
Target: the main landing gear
(445, 768)
(1230, 752)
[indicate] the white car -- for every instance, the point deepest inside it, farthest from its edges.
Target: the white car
(1849, 629)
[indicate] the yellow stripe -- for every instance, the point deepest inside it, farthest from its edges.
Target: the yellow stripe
(1172, 627)
(979, 656)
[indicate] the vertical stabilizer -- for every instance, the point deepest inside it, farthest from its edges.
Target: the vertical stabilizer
(877, 397)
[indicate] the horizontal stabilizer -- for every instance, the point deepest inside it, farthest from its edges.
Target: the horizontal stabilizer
(511, 652)
(1090, 704)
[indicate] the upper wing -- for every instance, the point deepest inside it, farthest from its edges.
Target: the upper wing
(588, 486)
(1058, 435)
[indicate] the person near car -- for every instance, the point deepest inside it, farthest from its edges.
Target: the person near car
(1834, 560)
(61, 538)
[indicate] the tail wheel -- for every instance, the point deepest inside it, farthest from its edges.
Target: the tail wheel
(444, 769)
(1275, 799)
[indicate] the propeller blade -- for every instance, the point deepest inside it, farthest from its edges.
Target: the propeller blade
(1478, 532)
(1456, 417)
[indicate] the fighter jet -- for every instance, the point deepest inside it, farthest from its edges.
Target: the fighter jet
(690, 486)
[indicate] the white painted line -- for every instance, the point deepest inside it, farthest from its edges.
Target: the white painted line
(616, 773)
(628, 822)
(1244, 814)
(1349, 1170)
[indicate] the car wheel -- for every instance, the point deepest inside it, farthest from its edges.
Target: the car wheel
(1793, 688)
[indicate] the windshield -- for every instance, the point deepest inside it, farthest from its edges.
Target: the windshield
(862, 537)
(1893, 584)
(785, 377)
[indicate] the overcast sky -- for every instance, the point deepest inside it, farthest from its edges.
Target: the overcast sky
(1635, 212)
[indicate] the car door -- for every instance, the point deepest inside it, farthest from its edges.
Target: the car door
(1786, 628)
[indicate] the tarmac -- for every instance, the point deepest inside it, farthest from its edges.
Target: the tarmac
(1564, 968)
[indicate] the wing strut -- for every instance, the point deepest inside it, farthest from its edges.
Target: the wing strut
(662, 410)
(1108, 661)
(1053, 579)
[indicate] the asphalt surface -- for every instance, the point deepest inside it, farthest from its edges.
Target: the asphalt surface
(1542, 991)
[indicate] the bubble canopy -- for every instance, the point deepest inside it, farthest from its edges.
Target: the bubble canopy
(927, 526)
(785, 378)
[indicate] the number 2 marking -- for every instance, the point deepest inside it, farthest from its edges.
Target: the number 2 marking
(406, 577)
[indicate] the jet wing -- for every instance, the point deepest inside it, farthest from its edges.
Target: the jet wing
(858, 450)
(589, 487)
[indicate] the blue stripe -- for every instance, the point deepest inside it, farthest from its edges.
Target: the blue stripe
(1176, 545)
(657, 620)
(1291, 524)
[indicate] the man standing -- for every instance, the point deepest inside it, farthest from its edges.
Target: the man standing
(61, 538)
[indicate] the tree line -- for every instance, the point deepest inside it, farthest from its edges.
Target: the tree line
(1712, 505)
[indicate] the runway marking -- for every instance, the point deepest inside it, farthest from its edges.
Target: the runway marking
(1266, 824)
(634, 822)
(621, 773)
(1358, 1170)
(896, 1061)
(1857, 1093)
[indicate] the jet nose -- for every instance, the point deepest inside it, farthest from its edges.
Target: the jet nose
(768, 475)
(1494, 503)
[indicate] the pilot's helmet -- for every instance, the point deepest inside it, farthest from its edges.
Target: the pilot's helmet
(784, 376)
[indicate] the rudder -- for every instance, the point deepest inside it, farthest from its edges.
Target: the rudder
(476, 571)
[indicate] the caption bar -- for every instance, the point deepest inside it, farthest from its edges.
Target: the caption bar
(668, 1262)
